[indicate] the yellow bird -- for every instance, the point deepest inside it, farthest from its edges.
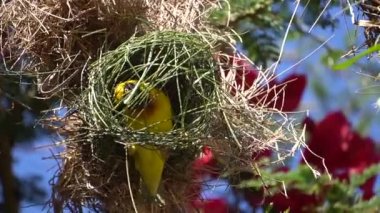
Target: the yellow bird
(153, 114)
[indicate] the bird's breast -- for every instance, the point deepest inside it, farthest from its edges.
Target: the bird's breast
(155, 117)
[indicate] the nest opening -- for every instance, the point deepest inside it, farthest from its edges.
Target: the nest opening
(179, 64)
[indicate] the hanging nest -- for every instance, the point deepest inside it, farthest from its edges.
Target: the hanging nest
(79, 50)
(57, 39)
(371, 11)
(209, 109)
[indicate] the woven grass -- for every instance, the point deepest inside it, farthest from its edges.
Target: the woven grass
(180, 64)
(61, 38)
(371, 11)
(79, 51)
(206, 112)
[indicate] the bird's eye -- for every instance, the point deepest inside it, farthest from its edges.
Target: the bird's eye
(129, 87)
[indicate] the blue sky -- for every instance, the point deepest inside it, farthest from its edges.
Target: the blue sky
(31, 161)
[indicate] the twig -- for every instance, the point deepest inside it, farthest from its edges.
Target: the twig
(320, 15)
(286, 36)
(351, 12)
(307, 56)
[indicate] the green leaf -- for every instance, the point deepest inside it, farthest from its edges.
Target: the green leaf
(331, 58)
(372, 205)
(359, 179)
(351, 61)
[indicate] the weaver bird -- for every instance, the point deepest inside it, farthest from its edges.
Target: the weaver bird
(152, 113)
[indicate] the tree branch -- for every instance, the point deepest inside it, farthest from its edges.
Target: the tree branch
(7, 179)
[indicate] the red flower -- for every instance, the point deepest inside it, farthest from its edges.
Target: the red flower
(289, 92)
(213, 206)
(310, 125)
(256, 156)
(284, 96)
(367, 188)
(204, 165)
(296, 201)
(345, 152)
(255, 197)
(246, 73)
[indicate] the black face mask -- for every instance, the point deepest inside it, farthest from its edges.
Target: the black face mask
(139, 101)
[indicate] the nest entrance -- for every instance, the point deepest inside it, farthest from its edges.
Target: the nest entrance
(209, 109)
(181, 65)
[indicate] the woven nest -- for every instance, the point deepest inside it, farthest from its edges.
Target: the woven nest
(371, 11)
(206, 112)
(60, 38)
(79, 50)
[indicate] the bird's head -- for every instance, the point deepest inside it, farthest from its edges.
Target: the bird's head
(132, 94)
